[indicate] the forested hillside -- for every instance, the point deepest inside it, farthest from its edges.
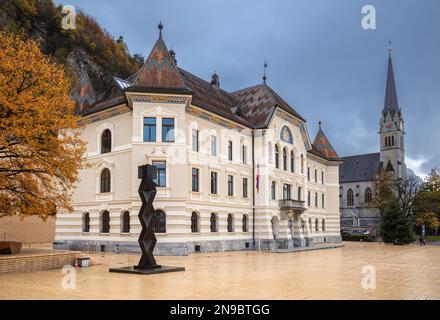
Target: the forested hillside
(88, 46)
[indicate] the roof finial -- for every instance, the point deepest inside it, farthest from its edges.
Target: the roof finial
(389, 48)
(319, 123)
(264, 71)
(160, 27)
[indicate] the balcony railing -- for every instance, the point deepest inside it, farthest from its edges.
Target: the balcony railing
(291, 204)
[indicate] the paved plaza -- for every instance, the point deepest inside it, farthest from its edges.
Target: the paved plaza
(402, 272)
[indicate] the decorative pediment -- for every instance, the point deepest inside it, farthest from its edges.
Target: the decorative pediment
(103, 163)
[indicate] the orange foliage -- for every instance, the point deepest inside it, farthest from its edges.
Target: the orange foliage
(40, 148)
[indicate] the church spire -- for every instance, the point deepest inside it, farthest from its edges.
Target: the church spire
(391, 103)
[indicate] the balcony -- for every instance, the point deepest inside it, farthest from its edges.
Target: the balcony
(290, 204)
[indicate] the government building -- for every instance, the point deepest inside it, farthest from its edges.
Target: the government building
(236, 170)
(357, 173)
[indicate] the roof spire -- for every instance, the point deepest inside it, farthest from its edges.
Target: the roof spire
(391, 103)
(319, 124)
(160, 27)
(264, 71)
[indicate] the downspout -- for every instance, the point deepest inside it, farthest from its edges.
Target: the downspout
(253, 187)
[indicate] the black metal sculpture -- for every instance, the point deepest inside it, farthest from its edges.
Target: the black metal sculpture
(147, 240)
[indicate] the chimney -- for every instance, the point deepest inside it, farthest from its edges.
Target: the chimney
(214, 82)
(173, 56)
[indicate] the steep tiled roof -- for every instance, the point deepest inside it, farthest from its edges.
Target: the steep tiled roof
(258, 103)
(159, 69)
(323, 145)
(212, 99)
(83, 92)
(359, 168)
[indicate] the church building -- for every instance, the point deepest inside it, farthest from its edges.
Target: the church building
(236, 170)
(357, 172)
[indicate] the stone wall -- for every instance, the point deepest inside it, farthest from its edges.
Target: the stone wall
(34, 262)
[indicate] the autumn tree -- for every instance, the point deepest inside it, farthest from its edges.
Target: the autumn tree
(40, 148)
(382, 190)
(427, 204)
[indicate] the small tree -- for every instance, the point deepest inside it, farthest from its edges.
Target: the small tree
(40, 147)
(395, 226)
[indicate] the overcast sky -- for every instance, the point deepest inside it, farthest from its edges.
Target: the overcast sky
(320, 59)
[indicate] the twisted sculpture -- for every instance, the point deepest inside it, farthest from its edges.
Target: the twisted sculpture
(147, 239)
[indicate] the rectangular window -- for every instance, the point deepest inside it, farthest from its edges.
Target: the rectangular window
(308, 173)
(195, 140)
(322, 177)
(273, 190)
(195, 180)
(244, 154)
(245, 187)
(286, 192)
(230, 150)
(213, 146)
(161, 179)
(323, 200)
(309, 200)
(316, 176)
(213, 182)
(150, 129)
(167, 129)
(230, 186)
(316, 199)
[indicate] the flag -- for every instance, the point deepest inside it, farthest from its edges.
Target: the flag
(258, 178)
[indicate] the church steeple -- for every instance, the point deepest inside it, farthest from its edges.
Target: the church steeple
(392, 147)
(391, 103)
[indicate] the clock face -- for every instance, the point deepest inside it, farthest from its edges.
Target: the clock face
(389, 125)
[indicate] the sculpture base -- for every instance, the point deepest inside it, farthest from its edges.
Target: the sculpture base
(147, 271)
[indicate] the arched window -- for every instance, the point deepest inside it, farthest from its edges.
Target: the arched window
(106, 141)
(350, 198)
(86, 222)
(274, 222)
(213, 222)
(392, 140)
(277, 157)
(160, 222)
(105, 180)
(323, 224)
(292, 162)
(386, 141)
(105, 222)
(230, 223)
(194, 222)
(368, 195)
(125, 222)
(316, 225)
(299, 194)
(302, 163)
(245, 226)
(284, 159)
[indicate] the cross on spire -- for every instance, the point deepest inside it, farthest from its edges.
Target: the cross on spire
(160, 27)
(264, 71)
